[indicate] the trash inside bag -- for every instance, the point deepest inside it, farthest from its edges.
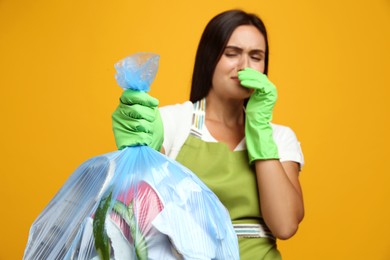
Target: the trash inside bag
(135, 203)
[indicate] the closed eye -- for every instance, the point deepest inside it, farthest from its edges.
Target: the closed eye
(257, 58)
(232, 51)
(257, 55)
(231, 54)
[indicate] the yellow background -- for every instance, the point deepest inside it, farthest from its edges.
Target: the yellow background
(329, 59)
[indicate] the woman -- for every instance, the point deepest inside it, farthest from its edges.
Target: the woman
(224, 134)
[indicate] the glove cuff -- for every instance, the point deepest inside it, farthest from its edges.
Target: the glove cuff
(260, 142)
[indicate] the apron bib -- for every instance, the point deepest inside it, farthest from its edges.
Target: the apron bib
(228, 174)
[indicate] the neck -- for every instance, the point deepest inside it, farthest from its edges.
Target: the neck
(226, 111)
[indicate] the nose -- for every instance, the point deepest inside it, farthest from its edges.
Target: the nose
(243, 63)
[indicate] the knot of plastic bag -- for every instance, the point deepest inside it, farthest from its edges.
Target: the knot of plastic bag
(137, 71)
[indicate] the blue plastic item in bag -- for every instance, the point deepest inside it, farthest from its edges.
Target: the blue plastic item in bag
(135, 203)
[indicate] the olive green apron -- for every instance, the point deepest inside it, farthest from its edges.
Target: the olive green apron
(228, 174)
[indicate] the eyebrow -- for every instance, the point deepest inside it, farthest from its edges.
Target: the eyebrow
(240, 49)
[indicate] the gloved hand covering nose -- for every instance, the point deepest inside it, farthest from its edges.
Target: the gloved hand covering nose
(137, 121)
(258, 131)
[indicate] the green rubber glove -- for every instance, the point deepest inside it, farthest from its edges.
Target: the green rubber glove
(258, 131)
(137, 121)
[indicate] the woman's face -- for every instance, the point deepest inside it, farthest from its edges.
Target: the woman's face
(245, 48)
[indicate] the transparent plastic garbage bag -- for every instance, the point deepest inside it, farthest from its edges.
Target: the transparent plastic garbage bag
(135, 203)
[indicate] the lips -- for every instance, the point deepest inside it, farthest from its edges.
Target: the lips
(235, 79)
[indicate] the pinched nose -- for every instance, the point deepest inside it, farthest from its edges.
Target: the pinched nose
(243, 63)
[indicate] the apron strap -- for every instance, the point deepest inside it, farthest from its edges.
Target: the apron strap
(252, 230)
(198, 118)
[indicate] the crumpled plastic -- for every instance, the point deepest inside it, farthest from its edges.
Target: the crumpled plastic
(137, 71)
(135, 203)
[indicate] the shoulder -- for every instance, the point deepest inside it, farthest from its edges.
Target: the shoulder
(177, 114)
(282, 131)
(177, 120)
(288, 144)
(185, 108)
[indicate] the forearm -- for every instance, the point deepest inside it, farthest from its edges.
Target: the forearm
(280, 196)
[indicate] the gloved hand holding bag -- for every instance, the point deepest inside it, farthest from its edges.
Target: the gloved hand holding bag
(137, 120)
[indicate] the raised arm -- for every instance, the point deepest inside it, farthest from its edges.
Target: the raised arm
(278, 183)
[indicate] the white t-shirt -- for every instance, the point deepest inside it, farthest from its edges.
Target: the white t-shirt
(177, 121)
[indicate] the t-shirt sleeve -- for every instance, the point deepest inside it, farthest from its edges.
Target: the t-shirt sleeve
(177, 120)
(288, 145)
